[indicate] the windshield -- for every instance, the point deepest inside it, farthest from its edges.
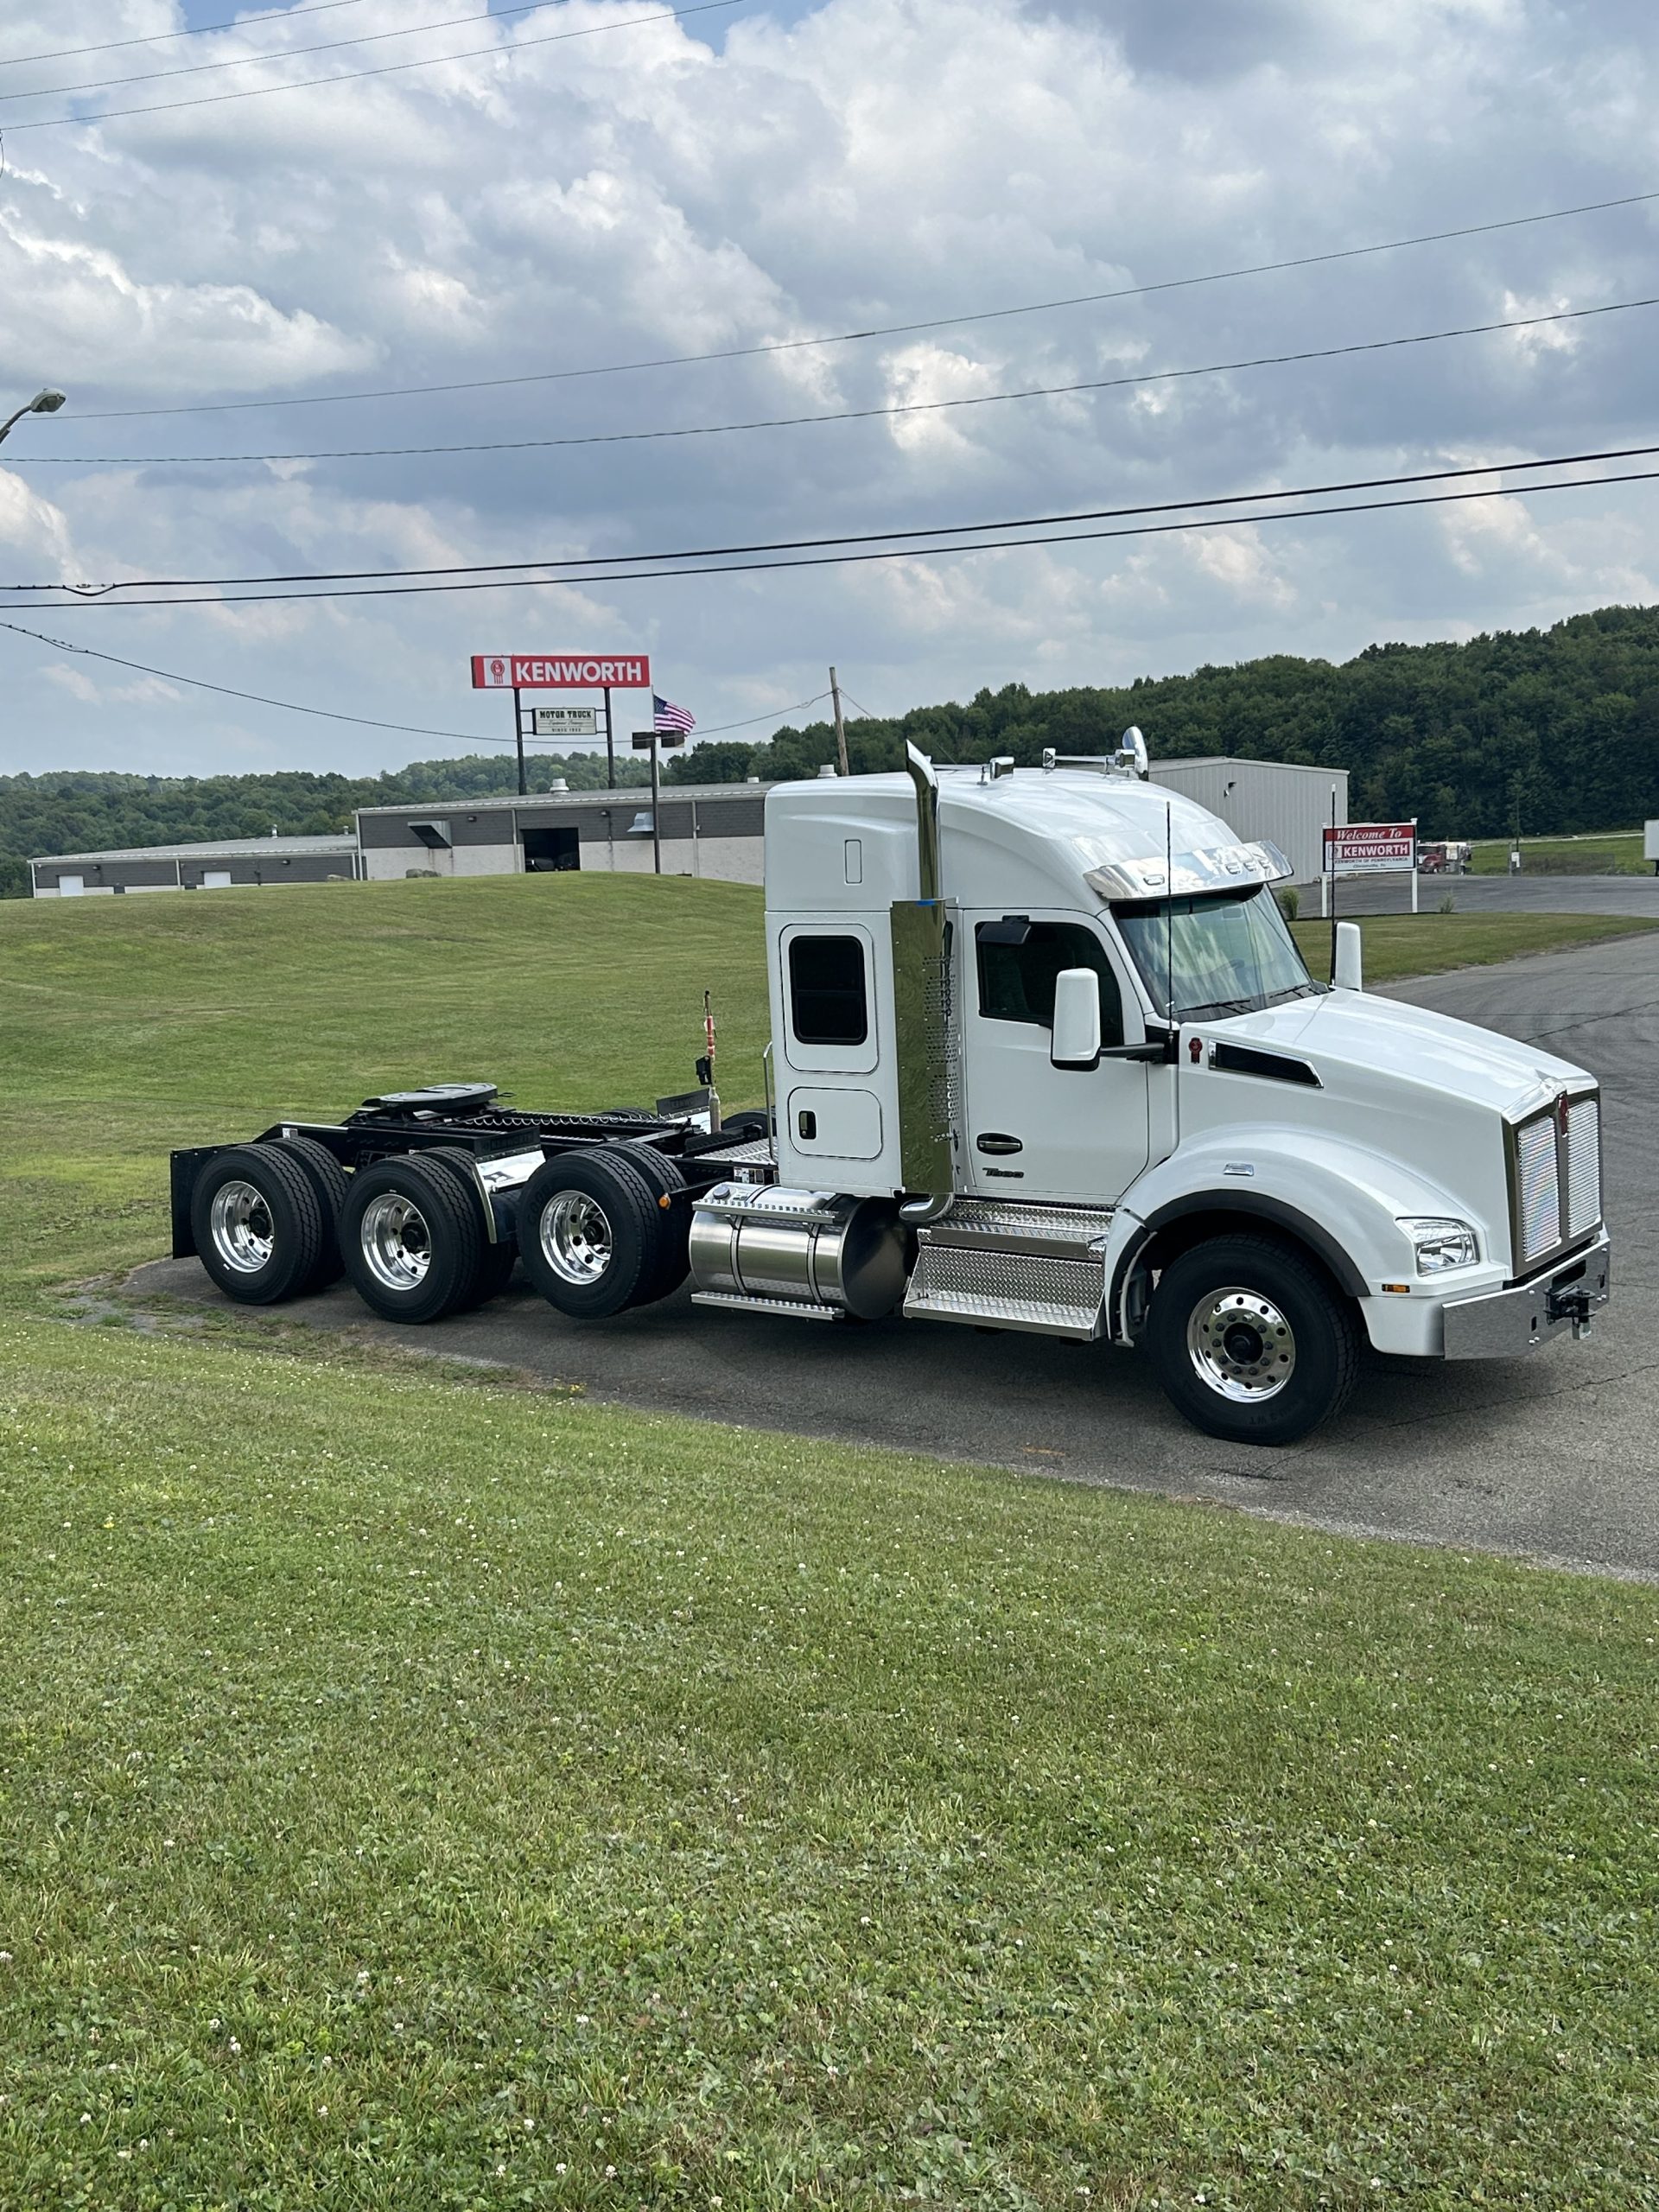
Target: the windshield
(1227, 952)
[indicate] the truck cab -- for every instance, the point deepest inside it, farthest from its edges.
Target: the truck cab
(1054, 1018)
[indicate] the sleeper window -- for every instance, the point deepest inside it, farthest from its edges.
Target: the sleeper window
(1016, 981)
(828, 1002)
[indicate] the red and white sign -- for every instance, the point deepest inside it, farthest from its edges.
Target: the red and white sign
(1370, 848)
(561, 672)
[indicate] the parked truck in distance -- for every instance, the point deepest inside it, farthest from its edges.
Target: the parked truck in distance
(1045, 1058)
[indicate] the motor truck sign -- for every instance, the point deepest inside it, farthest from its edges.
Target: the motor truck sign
(561, 672)
(1370, 848)
(565, 722)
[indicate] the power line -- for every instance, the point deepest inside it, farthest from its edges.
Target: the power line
(89, 594)
(169, 38)
(327, 714)
(839, 415)
(891, 553)
(877, 330)
(384, 69)
(254, 698)
(274, 53)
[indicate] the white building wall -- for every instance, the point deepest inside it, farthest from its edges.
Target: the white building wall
(483, 860)
(1288, 805)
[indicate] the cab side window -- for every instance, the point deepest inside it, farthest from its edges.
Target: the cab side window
(1018, 961)
(829, 1000)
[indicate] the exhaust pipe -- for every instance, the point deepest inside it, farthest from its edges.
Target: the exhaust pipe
(927, 819)
(929, 1047)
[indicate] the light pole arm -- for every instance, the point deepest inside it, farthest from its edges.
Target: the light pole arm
(11, 423)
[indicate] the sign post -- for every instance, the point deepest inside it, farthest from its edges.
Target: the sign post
(652, 740)
(1366, 848)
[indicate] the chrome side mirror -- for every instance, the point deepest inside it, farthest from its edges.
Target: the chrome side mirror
(1075, 1040)
(1350, 975)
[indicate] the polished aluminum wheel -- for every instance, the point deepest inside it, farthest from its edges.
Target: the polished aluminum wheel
(576, 1236)
(1241, 1345)
(240, 1224)
(396, 1241)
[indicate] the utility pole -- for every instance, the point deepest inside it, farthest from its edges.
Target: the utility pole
(841, 726)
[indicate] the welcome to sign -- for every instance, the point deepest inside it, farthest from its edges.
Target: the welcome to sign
(563, 672)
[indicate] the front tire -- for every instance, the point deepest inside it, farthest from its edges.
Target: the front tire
(1252, 1341)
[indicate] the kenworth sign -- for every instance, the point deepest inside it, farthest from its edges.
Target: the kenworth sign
(567, 672)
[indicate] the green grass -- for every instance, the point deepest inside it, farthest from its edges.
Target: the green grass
(422, 1791)
(1614, 853)
(1398, 945)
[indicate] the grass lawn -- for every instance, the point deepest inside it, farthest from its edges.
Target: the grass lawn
(1398, 945)
(1616, 853)
(420, 1791)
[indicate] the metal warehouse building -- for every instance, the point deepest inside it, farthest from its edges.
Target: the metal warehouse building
(213, 866)
(1275, 800)
(710, 829)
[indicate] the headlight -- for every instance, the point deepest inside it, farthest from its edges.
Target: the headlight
(1442, 1244)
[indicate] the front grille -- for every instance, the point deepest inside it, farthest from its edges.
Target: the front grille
(1555, 1178)
(1539, 1191)
(1583, 1166)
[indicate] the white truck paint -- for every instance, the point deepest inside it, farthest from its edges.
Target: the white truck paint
(1323, 1121)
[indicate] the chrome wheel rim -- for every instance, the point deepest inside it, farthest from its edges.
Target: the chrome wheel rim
(243, 1234)
(575, 1237)
(396, 1241)
(1240, 1345)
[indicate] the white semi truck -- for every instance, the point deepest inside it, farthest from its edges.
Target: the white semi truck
(1045, 1057)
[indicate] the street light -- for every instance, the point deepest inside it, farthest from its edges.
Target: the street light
(44, 403)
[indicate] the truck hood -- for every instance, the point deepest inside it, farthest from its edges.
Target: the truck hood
(1385, 1037)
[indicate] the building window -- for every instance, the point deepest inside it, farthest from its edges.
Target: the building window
(1018, 961)
(828, 1002)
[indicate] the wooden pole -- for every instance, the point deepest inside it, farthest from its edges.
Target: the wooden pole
(841, 726)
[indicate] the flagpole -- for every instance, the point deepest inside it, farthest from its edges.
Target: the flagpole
(655, 798)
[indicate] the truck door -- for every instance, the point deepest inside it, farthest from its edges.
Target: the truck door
(1035, 1130)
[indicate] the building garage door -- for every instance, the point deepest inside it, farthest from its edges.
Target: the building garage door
(550, 851)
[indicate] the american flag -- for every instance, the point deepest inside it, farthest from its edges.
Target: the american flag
(665, 715)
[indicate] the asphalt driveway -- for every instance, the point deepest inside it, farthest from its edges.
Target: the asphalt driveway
(1555, 1457)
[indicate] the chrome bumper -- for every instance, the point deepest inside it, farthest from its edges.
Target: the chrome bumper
(1512, 1321)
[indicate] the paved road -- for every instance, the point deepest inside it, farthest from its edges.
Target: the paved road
(1555, 1457)
(1623, 895)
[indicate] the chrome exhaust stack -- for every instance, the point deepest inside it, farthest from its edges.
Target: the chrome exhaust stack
(924, 1023)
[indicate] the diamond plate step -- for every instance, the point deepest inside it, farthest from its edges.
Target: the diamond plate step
(993, 1285)
(1005, 1225)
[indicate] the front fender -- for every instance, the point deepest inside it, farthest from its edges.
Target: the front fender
(1341, 1199)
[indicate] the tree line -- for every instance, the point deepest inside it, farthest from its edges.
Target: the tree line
(1555, 731)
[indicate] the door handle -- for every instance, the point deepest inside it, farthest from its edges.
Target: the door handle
(993, 1140)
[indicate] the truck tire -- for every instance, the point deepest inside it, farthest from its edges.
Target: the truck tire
(496, 1261)
(257, 1223)
(330, 1182)
(1252, 1341)
(665, 1183)
(411, 1239)
(588, 1234)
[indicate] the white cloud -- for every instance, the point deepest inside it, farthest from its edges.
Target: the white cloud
(721, 183)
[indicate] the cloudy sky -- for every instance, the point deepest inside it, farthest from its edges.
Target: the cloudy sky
(756, 174)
